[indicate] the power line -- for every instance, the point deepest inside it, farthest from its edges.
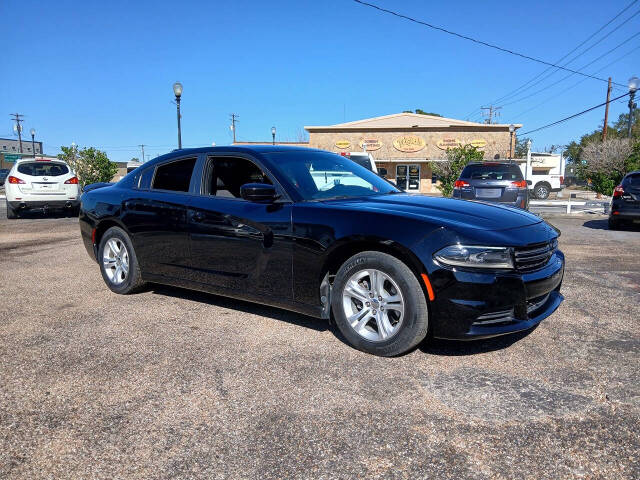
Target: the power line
(480, 42)
(574, 115)
(505, 97)
(571, 74)
(516, 90)
(571, 87)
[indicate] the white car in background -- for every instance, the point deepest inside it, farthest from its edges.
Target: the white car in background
(41, 184)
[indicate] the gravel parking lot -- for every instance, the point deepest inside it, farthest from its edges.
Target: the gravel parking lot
(174, 384)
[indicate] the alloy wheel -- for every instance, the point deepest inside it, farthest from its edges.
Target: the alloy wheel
(115, 260)
(373, 305)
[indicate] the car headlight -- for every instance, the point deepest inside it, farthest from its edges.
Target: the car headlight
(475, 256)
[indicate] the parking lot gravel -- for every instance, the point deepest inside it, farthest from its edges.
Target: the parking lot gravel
(170, 383)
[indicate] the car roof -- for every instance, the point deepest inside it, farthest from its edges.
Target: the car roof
(494, 162)
(250, 149)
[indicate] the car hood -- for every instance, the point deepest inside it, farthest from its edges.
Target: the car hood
(443, 211)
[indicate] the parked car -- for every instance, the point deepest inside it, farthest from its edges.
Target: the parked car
(625, 203)
(41, 184)
(493, 182)
(4, 173)
(365, 160)
(313, 232)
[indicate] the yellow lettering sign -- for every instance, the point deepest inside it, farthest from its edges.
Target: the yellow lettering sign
(478, 143)
(409, 143)
(370, 144)
(447, 143)
(343, 144)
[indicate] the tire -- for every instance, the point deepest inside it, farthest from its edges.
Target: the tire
(541, 191)
(400, 288)
(613, 224)
(11, 213)
(118, 278)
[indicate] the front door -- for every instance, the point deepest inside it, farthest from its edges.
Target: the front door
(239, 245)
(408, 177)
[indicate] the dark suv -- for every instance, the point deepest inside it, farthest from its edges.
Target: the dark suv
(493, 182)
(625, 204)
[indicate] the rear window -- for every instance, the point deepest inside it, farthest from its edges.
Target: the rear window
(632, 181)
(362, 160)
(43, 169)
(492, 172)
(174, 176)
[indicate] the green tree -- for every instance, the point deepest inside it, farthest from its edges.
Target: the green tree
(449, 170)
(89, 164)
(521, 147)
(135, 159)
(422, 112)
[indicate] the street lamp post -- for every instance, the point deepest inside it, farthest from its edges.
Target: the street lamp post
(177, 91)
(273, 135)
(33, 141)
(512, 128)
(634, 83)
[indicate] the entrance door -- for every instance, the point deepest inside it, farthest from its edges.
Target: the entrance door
(408, 177)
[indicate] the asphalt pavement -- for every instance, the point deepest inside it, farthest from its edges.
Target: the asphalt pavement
(170, 383)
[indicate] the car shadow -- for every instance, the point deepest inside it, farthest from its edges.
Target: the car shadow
(604, 225)
(36, 214)
(275, 313)
(456, 348)
(430, 345)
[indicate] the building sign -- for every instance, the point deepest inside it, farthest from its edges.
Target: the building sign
(447, 143)
(409, 143)
(12, 157)
(370, 144)
(478, 143)
(342, 144)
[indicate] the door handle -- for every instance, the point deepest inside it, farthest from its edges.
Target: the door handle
(197, 216)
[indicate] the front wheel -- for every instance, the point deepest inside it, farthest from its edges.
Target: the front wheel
(118, 262)
(379, 305)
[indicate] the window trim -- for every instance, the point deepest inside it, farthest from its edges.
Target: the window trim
(173, 160)
(209, 160)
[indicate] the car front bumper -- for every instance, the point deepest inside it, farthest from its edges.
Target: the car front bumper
(473, 305)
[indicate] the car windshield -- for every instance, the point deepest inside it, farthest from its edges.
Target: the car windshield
(362, 160)
(43, 169)
(324, 176)
(496, 171)
(633, 180)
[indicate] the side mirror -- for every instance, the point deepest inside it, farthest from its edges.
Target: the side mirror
(529, 182)
(382, 172)
(258, 192)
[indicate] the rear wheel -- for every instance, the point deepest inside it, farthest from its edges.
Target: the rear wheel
(613, 224)
(378, 304)
(11, 213)
(118, 262)
(541, 191)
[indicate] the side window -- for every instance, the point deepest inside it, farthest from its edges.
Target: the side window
(174, 176)
(228, 174)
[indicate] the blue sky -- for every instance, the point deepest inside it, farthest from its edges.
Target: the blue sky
(100, 73)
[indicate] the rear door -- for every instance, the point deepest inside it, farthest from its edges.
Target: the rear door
(235, 244)
(156, 215)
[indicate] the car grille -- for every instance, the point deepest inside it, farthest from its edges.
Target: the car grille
(534, 256)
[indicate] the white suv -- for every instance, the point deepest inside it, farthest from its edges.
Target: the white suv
(41, 184)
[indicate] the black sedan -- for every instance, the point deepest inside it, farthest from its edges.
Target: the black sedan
(315, 233)
(625, 203)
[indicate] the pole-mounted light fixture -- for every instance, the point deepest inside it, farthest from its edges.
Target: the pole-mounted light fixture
(177, 91)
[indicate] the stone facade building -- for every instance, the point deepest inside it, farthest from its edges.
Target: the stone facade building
(406, 144)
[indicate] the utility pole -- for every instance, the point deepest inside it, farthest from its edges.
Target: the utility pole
(234, 120)
(606, 112)
(492, 112)
(17, 117)
(142, 147)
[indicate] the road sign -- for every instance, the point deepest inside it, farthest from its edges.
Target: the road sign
(12, 157)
